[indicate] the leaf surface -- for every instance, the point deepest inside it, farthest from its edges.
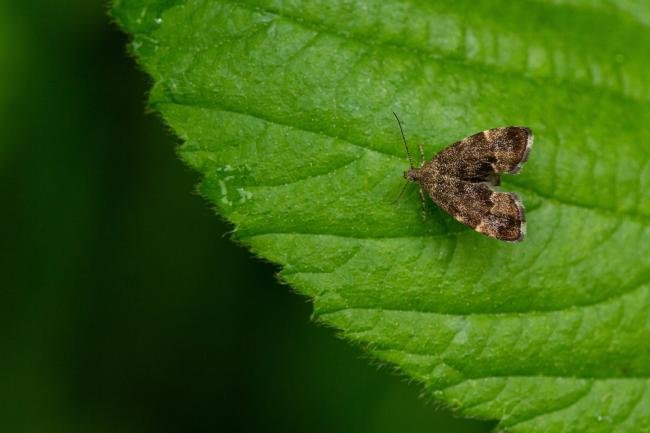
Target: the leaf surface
(284, 106)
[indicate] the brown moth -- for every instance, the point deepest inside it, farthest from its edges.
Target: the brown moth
(460, 178)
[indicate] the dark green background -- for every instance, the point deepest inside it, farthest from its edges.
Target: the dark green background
(125, 307)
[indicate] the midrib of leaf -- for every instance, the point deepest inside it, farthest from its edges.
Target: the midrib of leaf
(432, 298)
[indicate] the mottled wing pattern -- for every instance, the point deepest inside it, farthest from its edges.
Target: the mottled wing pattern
(480, 156)
(475, 204)
(460, 180)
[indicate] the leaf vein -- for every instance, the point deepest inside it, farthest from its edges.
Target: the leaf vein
(569, 405)
(618, 91)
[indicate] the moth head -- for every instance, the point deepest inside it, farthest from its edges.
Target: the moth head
(412, 175)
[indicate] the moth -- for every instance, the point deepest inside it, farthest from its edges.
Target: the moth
(461, 177)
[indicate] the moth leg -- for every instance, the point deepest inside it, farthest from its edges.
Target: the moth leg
(401, 192)
(422, 158)
(424, 205)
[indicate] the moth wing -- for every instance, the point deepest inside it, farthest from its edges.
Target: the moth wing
(497, 150)
(493, 213)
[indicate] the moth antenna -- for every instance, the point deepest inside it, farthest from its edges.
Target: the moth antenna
(408, 153)
(401, 193)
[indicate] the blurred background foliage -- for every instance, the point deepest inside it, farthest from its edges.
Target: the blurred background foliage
(124, 306)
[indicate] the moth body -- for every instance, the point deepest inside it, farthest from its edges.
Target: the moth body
(461, 177)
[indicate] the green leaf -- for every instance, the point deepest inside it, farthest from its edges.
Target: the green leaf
(284, 106)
